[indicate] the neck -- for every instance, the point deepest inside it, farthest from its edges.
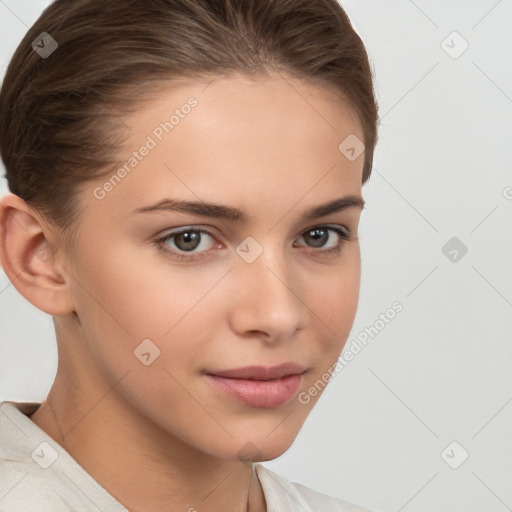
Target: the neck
(139, 464)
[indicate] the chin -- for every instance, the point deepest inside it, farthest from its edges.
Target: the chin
(253, 453)
(257, 447)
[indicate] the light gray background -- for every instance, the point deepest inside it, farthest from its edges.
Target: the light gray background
(441, 371)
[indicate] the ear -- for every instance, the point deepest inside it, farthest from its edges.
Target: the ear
(28, 257)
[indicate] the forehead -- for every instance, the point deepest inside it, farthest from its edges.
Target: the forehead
(272, 102)
(237, 137)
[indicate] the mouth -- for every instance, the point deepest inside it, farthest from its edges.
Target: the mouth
(259, 386)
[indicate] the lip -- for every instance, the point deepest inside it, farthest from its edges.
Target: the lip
(260, 386)
(260, 372)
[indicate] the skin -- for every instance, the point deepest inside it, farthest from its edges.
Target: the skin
(268, 146)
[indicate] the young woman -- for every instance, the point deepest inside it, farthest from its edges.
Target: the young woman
(185, 182)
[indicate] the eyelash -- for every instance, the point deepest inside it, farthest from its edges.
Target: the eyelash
(160, 242)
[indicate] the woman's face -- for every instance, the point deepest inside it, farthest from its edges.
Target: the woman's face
(251, 282)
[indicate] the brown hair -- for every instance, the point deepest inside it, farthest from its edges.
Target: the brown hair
(61, 116)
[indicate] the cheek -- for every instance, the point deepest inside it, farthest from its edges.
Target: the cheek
(130, 296)
(340, 297)
(145, 326)
(339, 304)
(134, 290)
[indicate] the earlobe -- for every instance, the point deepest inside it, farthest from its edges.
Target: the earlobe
(29, 258)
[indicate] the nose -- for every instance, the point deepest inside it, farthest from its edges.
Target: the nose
(269, 298)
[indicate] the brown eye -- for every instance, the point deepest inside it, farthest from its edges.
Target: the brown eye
(186, 241)
(319, 236)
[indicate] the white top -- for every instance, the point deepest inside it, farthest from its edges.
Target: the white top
(38, 475)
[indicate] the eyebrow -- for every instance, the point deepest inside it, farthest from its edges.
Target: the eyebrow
(231, 213)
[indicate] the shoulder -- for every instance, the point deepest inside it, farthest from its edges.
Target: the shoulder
(282, 495)
(24, 485)
(23, 489)
(37, 474)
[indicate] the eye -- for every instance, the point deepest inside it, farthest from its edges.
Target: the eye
(317, 237)
(187, 241)
(189, 244)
